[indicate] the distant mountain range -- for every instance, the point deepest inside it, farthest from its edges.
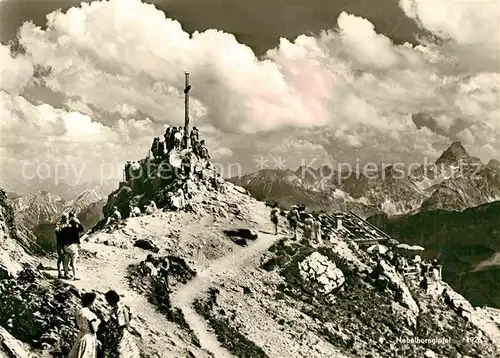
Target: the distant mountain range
(467, 244)
(456, 181)
(37, 213)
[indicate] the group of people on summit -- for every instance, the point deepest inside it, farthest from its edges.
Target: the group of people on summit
(175, 138)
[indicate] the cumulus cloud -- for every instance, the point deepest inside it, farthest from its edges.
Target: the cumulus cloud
(471, 26)
(348, 92)
(15, 73)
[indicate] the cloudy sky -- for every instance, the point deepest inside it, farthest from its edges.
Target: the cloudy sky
(280, 82)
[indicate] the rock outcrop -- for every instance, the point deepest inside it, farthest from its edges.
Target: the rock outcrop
(12, 255)
(321, 273)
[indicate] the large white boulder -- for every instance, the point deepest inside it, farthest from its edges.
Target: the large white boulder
(319, 270)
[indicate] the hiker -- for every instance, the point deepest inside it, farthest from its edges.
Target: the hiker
(293, 219)
(154, 147)
(399, 294)
(127, 170)
(203, 150)
(160, 284)
(317, 230)
(308, 226)
(275, 218)
(148, 267)
(160, 149)
(181, 199)
(163, 270)
(115, 217)
(151, 209)
(183, 144)
(220, 183)
(166, 136)
(63, 222)
(189, 188)
(194, 136)
(424, 284)
(86, 344)
(120, 343)
(135, 211)
(196, 149)
(447, 299)
(186, 165)
(135, 170)
(171, 142)
(71, 244)
(177, 139)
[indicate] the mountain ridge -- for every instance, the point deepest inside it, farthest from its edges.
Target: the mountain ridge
(455, 181)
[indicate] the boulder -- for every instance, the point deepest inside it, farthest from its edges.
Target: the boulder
(146, 244)
(8, 267)
(321, 273)
(397, 283)
(243, 233)
(11, 347)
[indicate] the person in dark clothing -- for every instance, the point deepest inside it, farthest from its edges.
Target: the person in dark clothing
(196, 148)
(424, 284)
(163, 270)
(71, 242)
(154, 147)
(194, 136)
(172, 138)
(166, 136)
(161, 149)
(203, 151)
(186, 165)
(127, 170)
(59, 242)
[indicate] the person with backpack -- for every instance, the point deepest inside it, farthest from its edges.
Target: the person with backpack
(119, 341)
(275, 218)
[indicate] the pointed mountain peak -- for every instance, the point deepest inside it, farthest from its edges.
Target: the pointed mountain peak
(453, 155)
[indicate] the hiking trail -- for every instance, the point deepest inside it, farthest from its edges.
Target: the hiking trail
(185, 297)
(109, 270)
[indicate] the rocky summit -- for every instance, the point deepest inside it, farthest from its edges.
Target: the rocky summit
(232, 287)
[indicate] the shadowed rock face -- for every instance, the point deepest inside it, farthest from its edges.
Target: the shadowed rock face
(453, 155)
(12, 255)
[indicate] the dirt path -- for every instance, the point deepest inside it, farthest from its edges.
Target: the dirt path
(185, 297)
(109, 271)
